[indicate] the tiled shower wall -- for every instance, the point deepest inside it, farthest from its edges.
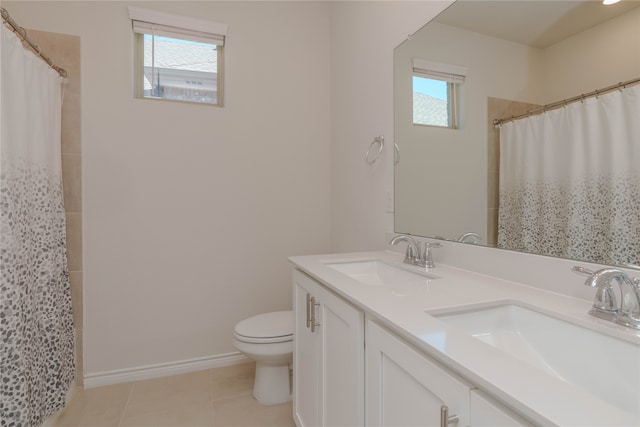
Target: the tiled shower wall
(497, 109)
(64, 51)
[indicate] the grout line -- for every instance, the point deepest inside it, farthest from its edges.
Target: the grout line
(233, 396)
(126, 405)
(211, 396)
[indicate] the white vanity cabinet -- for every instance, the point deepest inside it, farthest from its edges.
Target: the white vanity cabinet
(328, 357)
(486, 412)
(406, 388)
(379, 358)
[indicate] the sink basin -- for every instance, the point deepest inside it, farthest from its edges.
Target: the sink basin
(604, 366)
(377, 273)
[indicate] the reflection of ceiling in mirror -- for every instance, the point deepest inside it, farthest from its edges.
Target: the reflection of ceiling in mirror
(526, 23)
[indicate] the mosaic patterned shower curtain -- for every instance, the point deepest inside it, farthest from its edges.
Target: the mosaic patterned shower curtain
(36, 324)
(570, 181)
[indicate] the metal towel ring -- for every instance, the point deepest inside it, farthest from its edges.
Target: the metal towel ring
(377, 140)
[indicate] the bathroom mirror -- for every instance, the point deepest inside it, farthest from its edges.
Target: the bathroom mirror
(516, 55)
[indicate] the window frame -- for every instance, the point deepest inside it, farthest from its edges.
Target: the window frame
(144, 22)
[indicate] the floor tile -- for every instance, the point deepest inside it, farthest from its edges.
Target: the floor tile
(177, 399)
(245, 411)
(95, 407)
(231, 381)
(185, 414)
(217, 397)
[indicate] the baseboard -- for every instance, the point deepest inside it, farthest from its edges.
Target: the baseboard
(163, 369)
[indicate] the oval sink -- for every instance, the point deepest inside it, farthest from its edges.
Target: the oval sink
(377, 273)
(603, 365)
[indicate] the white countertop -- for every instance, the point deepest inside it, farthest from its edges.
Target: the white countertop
(540, 397)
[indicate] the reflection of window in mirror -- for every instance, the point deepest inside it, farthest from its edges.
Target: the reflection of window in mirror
(436, 89)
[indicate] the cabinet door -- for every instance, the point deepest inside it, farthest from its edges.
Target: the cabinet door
(405, 388)
(328, 371)
(341, 361)
(305, 356)
(486, 412)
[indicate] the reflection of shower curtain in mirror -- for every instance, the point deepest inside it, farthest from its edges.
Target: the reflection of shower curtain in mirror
(36, 324)
(570, 180)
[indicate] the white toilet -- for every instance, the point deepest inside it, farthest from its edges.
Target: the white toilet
(268, 339)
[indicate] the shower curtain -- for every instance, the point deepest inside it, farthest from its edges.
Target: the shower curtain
(570, 180)
(36, 324)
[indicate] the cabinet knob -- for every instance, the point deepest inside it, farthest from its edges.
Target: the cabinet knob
(445, 418)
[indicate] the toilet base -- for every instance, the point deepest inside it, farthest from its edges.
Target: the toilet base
(272, 385)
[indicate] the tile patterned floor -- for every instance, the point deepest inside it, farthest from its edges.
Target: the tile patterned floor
(218, 397)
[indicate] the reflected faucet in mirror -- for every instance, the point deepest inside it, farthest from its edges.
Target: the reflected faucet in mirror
(470, 237)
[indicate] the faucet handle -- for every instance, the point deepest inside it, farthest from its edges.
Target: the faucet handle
(581, 270)
(409, 254)
(428, 255)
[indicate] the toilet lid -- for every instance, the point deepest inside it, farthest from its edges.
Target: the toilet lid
(278, 324)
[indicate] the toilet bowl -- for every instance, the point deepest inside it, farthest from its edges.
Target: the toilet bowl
(268, 339)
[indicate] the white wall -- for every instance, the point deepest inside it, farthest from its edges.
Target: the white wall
(190, 211)
(363, 36)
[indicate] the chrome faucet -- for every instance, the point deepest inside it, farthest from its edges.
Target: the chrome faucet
(414, 254)
(605, 306)
(413, 249)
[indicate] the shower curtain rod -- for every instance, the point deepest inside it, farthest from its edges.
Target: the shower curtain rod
(554, 105)
(23, 35)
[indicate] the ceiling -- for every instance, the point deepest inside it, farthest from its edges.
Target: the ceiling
(538, 23)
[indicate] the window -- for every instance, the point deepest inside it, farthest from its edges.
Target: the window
(436, 93)
(177, 58)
